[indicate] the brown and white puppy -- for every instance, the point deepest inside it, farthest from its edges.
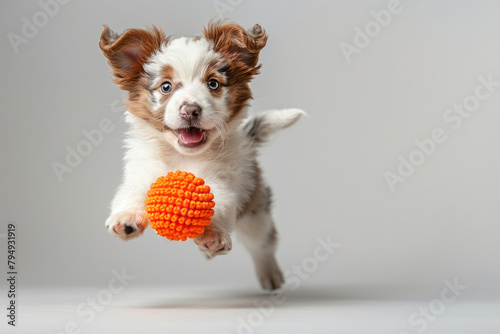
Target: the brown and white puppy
(187, 110)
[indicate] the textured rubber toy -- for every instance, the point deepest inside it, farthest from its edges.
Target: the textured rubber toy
(179, 206)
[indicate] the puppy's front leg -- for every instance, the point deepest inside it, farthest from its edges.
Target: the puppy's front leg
(216, 240)
(128, 220)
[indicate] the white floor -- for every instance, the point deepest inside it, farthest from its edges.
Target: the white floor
(183, 310)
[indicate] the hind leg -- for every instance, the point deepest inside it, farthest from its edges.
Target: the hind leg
(257, 232)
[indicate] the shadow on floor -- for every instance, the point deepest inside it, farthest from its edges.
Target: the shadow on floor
(301, 297)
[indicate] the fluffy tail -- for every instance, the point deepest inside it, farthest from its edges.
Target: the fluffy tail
(262, 126)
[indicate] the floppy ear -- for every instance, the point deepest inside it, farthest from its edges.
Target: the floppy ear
(128, 52)
(241, 46)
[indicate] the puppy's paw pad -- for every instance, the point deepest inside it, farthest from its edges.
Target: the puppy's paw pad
(127, 225)
(213, 242)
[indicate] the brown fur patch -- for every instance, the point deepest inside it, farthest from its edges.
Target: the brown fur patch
(139, 104)
(232, 40)
(213, 73)
(240, 95)
(127, 53)
(167, 74)
(240, 50)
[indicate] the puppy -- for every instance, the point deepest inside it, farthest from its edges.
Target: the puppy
(188, 110)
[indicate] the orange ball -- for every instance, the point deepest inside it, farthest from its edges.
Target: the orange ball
(179, 206)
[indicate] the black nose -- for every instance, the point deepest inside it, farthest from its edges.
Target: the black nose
(190, 110)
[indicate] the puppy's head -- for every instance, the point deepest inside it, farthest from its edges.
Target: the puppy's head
(189, 89)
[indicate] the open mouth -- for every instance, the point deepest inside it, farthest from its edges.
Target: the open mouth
(192, 136)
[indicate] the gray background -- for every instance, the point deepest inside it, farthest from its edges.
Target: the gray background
(326, 171)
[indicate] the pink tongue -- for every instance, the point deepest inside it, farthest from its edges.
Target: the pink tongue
(191, 135)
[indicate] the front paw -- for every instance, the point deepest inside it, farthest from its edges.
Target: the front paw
(127, 225)
(213, 242)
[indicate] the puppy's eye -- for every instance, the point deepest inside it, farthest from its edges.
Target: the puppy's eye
(213, 84)
(166, 87)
